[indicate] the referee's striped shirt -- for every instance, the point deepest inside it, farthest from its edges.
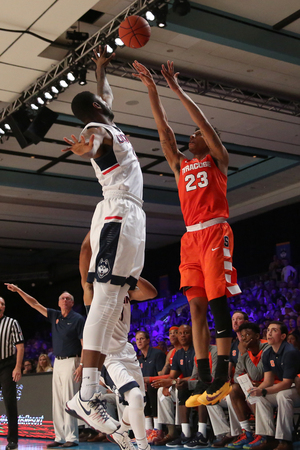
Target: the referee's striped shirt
(10, 335)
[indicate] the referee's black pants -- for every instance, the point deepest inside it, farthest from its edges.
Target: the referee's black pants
(9, 396)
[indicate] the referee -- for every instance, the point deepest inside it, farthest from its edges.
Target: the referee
(11, 357)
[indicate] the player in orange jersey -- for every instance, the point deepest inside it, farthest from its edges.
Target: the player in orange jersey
(206, 267)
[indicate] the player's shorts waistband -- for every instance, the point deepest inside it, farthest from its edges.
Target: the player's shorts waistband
(126, 195)
(203, 225)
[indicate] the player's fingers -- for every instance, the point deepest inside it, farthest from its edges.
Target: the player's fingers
(74, 138)
(66, 149)
(68, 141)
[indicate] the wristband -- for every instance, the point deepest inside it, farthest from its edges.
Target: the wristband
(264, 392)
(81, 364)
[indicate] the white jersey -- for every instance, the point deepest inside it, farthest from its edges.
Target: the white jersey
(118, 169)
(119, 337)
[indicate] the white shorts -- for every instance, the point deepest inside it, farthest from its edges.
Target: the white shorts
(117, 240)
(124, 370)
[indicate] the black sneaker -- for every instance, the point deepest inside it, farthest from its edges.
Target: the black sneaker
(198, 441)
(11, 446)
(179, 442)
(199, 389)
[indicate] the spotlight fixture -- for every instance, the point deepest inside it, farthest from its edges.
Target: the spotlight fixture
(181, 7)
(2, 131)
(71, 77)
(161, 15)
(7, 127)
(109, 48)
(40, 100)
(63, 83)
(82, 76)
(48, 96)
(34, 106)
(119, 42)
(54, 90)
(150, 16)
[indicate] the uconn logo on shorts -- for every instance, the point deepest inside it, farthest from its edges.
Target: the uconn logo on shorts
(103, 268)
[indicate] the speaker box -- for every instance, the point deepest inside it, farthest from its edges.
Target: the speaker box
(40, 126)
(19, 122)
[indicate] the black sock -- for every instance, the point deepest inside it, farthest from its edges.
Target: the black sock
(222, 367)
(204, 370)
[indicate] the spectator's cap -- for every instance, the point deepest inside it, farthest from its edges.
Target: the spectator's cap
(173, 328)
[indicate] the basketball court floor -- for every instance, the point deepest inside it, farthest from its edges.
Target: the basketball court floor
(40, 444)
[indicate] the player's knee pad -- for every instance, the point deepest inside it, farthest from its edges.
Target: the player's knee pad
(221, 313)
(134, 398)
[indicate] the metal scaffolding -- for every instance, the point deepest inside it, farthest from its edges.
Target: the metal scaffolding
(213, 89)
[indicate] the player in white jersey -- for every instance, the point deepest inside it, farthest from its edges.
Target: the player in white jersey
(122, 372)
(117, 235)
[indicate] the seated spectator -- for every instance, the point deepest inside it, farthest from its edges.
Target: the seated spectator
(250, 362)
(44, 364)
(28, 367)
(152, 362)
(181, 372)
(293, 339)
(292, 325)
(281, 361)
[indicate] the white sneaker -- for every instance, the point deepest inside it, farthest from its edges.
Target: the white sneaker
(122, 439)
(93, 412)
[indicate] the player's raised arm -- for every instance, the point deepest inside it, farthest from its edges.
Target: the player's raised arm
(103, 87)
(166, 134)
(217, 149)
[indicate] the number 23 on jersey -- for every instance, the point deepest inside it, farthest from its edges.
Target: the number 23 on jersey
(192, 181)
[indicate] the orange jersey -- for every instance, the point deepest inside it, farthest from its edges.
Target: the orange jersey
(202, 191)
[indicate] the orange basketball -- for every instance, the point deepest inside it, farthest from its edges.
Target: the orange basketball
(135, 31)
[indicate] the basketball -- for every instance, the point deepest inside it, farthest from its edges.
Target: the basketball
(135, 31)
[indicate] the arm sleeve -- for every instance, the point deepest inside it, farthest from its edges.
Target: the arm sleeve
(160, 361)
(17, 334)
(290, 365)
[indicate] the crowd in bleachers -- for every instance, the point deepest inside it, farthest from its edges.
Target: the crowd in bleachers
(264, 299)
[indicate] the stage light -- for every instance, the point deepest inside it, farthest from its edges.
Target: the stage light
(63, 83)
(181, 7)
(34, 106)
(71, 77)
(6, 126)
(82, 76)
(54, 90)
(109, 49)
(48, 96)
(119, 42)
(150, 16)
(2, 131)
(40, 100)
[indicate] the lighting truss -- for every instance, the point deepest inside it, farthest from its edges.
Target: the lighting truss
(137, 7)
(217, 90)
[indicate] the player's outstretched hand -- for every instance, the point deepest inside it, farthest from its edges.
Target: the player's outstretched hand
(79, 147)
(100, 57)
(170, 76)
(143, 74)
(11, 287)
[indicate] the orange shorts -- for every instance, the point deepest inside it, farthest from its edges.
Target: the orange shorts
(206, 261)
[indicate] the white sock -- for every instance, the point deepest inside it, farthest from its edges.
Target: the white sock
(90, 380)
(202, 428)
(157, 426)
(148, 423)
(245, 425)
(186, 429)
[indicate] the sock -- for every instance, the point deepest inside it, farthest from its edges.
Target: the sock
(157, 426)
(222, 367)
(186, 429)
(204, 370)
(245, 425)
(90, 381)
(124, 427)
(202, 428)
(98, 385)
(148, 423)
